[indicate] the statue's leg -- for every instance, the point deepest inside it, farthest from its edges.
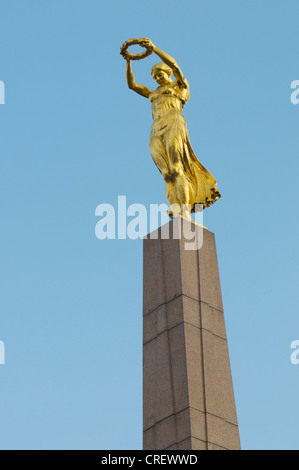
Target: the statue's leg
(182, 184)
(159, 155)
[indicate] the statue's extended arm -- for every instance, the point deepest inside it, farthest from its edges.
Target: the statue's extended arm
(140, 89)
(168, 60)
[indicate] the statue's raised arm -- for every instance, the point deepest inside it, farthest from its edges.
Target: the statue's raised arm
(140, 89)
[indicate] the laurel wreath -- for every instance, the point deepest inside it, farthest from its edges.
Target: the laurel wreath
(128, 55)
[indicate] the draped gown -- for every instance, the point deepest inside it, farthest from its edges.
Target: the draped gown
(170, 146)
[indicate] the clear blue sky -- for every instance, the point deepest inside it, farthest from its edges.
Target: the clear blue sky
(72, 137)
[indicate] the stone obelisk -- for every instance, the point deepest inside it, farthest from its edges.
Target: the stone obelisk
(188, 392)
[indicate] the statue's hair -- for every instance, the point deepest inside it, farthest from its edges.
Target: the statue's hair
(162, 66)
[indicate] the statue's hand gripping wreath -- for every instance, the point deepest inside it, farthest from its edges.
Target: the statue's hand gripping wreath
(187, 181)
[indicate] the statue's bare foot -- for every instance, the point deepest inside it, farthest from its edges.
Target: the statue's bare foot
(186, 215)
(174, 211)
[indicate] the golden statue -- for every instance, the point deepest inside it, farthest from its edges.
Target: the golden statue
(187, 181)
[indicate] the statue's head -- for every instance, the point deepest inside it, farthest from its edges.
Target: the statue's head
(161, 73)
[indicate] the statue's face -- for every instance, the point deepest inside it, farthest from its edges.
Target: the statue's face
(161, 77)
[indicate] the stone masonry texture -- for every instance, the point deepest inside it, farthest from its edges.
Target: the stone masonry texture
(188, 397)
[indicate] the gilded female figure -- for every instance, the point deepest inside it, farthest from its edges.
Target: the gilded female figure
(187, 181)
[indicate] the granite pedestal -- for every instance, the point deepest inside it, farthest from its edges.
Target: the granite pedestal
(188, 398)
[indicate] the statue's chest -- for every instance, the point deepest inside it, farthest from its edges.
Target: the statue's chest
(163, 92)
